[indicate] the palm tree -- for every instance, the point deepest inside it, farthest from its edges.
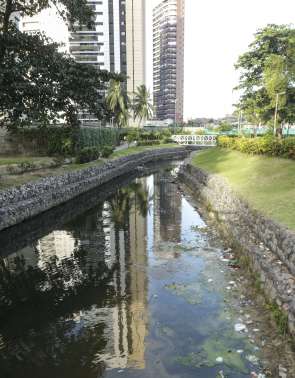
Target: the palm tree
(142, 107)
(124, 199)
(118, 103)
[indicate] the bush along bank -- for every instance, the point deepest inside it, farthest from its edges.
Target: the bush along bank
(149, 138)
(267, 145)
(85, 143)
(268, 247)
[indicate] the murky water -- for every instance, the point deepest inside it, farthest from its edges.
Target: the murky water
(136, 286)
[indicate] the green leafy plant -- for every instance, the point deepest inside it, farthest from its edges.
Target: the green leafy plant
(149, 142)
(142, 106)
(106, 151)
(266, 80)
(87, 154)
(51, 140)
(98, 137)
(267, 145)
(39, 85)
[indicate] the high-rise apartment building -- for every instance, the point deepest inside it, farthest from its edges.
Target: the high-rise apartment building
(115, 43)
(168, 59)
(135, 43)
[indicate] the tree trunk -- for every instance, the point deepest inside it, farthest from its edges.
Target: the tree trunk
(255, 130)
(280, 131)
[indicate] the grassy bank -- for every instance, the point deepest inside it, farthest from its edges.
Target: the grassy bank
(24, 159)
(8, 181)
(134, 150)
(267, 183)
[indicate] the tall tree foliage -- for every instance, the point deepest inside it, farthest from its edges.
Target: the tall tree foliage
(118, 103)
(267, 70)
(142, 106)
(38, 84)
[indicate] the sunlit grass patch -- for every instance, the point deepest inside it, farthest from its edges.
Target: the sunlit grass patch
(267, 183)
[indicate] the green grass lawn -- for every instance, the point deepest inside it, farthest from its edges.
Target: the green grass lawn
(267, 183)
(134, 150)
(24, 159)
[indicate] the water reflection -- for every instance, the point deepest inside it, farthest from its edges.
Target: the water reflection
(89, 280)
(135, 285)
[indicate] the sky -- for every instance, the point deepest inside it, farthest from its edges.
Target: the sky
(216, 33)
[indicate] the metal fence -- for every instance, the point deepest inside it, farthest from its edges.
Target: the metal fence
(196, 140)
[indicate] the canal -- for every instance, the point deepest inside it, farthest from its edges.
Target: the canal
(136, 284)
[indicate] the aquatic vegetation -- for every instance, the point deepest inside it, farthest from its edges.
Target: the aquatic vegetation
(215, 352)
(191, 292)
(184, 247)
(167, 331)
(200, 228)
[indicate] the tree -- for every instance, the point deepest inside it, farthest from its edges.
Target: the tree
(125, 199)
(38, 84)
(225, 126)
(256, 108)
(118, 103)
(142, 107)
(267, 69)
(72, 11)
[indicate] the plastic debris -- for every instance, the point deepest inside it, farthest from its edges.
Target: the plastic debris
(219, 360)
(282, 372)
(239, 327)
(253, 359)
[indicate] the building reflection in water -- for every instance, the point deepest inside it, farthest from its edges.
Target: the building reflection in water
(113, 237)
(126, 236)
(167, 214)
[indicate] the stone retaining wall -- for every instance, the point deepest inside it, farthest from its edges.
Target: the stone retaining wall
(29, 200)
(270, 248)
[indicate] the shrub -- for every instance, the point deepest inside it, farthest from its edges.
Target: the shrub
(148, 142)
(225, 142)
(58, 161)
(51, 140)
(87, 154)
(106, 151)
(267, 145)
(132, 136)
(94, 137)
(167, 140)
(200, 132)
(147, 135)
(143, 135)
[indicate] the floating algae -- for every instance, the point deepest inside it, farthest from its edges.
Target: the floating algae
(213, 351)
(191, 292)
